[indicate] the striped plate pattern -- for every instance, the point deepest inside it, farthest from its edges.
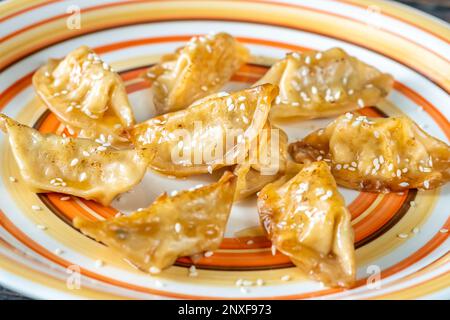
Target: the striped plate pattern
(132, 35)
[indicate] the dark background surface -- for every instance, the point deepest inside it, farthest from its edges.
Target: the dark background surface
(438, 8)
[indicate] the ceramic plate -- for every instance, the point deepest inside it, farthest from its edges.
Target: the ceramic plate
(59, 262)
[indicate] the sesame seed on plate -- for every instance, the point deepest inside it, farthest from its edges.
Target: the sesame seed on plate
(12, 179)
(415, 230)
(154, 270)
(244, 290)
(58, 251)
(259, 282)
(402, 235)
(443, 230)
(41, 227)
(286, 277)
(36, 208)
(99, 263)
(273, 248)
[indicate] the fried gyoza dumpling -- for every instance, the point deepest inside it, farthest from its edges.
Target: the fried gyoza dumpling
(265, 163)
(307, 220)
(211, 133)
(75, 166)
(86, 94)
(377, 154)
(185, 224)
(322, 84)
(200, 68)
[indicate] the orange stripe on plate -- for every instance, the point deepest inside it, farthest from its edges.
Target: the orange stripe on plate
(384, 212)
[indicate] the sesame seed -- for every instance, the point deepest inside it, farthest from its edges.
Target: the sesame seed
(154, 270)
(415, 230)
(193, 271)
(403, 184)
(327, 195)
(350, 92)
(210, 169)
(99, 263)
(307, 59)
(318, 55)
(273, 248)
(412, 203)
(304, 96)
(58, 251)
(177, 227)
(41, 227)
(159, 283)
(250, 242)
(244, 290)
(69, 109)
(314, 90)
(338, 166)
(83, 176)
(74, 162)
(286, 277)
(101, 148)
(443, 230)
(36, 208)
(402, 235)
(86, 154)
(259, 282)
(12, 179)
(426, 184)
(360, 103)
(208, 254)
(247, 283)
(238, 282)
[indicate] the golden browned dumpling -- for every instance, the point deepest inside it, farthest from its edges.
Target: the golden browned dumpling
(317, 84)
(184, 224)
(377, 154)
(75, 166)
(86, 94)
(212, 133)
(265, 163)
(306, 219)
(200, 68)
